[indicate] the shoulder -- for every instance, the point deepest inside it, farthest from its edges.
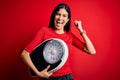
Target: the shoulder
(69, 36)
(41, 31)
(45, 31)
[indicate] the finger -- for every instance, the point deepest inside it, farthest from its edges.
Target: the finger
(50, 74)
(76, 23)
(47, 67)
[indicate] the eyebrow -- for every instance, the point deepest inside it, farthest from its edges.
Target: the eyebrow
(62, 14)
(65, 14)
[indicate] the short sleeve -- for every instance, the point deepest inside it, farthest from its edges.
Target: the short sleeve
(37, 40)
(77, 43)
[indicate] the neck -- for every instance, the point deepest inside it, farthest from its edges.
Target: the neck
(59, 31)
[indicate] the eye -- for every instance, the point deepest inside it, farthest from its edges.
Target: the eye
(65, 15)
(58, 14)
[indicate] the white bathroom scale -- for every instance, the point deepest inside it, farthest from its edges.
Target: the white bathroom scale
(53, 52)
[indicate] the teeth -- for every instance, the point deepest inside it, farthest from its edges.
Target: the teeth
(59, 22)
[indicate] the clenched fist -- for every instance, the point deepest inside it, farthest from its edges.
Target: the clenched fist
(78, 24)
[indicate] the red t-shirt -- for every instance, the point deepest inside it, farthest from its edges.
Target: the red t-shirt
(70, 39)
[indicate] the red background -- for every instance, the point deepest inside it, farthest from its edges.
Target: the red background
(20, 21)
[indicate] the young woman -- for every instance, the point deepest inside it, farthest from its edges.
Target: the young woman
(59, 27)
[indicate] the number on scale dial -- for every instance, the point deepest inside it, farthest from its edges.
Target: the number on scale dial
(53, 51)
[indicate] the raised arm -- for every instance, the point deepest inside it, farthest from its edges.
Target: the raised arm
(89, 48)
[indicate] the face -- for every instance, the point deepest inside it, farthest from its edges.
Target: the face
(61, 18)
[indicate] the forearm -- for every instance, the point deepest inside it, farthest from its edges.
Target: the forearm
(26, 58)
(88, 44)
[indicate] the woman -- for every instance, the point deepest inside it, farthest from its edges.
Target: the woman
(59, 27)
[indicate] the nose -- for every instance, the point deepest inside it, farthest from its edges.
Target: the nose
(60, 17)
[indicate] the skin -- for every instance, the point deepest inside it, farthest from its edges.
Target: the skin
(89, 48)
(61, 18)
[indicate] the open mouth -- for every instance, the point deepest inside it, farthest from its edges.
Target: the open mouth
(59, 22)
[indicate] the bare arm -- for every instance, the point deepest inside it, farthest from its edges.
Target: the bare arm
(89, 48)
(26, 58)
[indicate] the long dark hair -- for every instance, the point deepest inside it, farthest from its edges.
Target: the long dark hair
(56, 9)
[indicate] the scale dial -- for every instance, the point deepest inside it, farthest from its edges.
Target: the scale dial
(53, 51)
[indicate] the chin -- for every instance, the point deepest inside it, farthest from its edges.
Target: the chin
(58, 27)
